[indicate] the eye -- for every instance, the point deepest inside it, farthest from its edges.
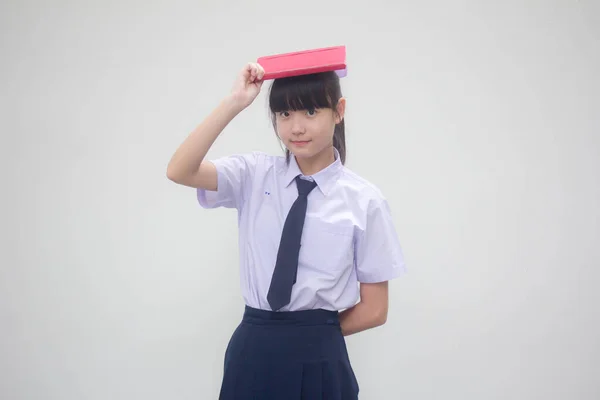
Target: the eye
(284, 114)
(311, 112)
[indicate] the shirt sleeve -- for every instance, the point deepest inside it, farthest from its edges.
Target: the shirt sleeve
(234, 181)
(379, 256)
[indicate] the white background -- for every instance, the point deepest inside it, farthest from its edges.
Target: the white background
(479, 121)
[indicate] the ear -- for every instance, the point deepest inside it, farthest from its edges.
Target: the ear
(340, 110)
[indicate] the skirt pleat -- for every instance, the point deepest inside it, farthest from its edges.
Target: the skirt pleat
(298, 355)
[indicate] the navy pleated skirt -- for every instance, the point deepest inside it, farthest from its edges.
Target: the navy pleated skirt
(297, 355)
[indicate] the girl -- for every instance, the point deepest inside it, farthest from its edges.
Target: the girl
(314, 238)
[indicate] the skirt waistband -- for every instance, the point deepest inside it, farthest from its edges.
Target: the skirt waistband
(302, 317)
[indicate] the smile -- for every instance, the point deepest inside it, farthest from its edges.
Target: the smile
(300, 142)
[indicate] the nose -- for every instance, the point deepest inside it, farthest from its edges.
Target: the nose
(297, 126)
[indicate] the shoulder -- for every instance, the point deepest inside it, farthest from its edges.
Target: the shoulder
(266, 162)
(266, 158)
(253, 159)
(361, 188)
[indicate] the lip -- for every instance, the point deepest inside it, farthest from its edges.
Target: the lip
(300, 143)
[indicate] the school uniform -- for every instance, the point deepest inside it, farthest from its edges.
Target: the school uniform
(289, 343)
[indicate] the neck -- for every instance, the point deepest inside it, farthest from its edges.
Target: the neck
(314, 164)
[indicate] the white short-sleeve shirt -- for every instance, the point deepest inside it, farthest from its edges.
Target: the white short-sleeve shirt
(348, 235)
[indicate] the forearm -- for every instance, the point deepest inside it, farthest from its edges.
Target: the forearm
(190, 154)
(361, 317)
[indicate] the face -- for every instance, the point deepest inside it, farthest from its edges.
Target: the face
(308, 133)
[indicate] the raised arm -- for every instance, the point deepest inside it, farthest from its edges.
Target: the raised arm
(187, 166)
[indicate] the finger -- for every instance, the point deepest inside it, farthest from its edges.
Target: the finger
(247, 71)
(261, 72)
(254, 72)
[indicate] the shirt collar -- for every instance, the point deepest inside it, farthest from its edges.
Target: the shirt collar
(325, 178)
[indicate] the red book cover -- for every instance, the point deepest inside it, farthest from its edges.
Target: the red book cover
(304, 62)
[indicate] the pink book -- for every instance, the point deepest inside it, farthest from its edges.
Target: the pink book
(305, 62)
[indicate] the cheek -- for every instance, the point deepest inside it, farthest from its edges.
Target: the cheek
(325, 131)
(282, 131)
(284, 134)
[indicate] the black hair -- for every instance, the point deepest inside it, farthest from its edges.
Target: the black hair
(306, 92)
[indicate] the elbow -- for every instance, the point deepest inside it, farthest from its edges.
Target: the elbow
(381, 318)
(374, 296)
(173, 175)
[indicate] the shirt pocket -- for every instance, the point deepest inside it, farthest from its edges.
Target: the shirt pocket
(326, 246)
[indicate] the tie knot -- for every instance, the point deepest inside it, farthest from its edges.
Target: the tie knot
(305, 186)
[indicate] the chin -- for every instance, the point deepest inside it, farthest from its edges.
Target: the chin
(303, 153)
(306, 151)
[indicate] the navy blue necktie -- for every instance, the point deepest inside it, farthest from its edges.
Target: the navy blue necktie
(286, 266)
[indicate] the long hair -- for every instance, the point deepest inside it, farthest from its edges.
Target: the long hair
(305, 92)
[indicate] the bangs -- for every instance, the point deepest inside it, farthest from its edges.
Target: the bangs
(303, 92)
